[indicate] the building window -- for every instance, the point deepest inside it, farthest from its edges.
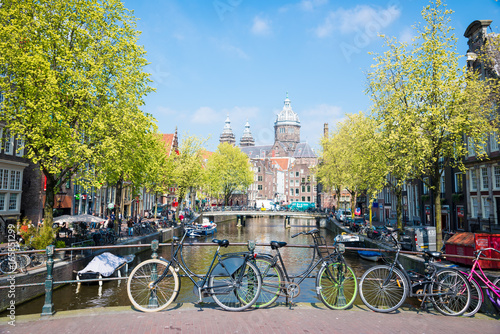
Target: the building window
(474, 207)
(297, 174)
(259, 187)
(296, 182)
(19, 147)
(2, 202)
(291, 192)
(308, 189)
(303, 198)
(442, 184)
(303, 189)
(297, 191)
(13, 202)
(8, 143)
(470, 147)
(484, 178)
(494, 141)
(308, 198)
(458, 182)
(258, 169)
(473, 180)
(496, 176)
(425, 190)
(5, 182)
(259, 178)
(485, 204)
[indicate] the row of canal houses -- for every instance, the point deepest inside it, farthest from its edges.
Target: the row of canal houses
(471, 200)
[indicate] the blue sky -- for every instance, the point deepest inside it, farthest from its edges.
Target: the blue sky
(212, 58)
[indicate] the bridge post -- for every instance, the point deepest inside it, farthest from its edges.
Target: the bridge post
(244, 221)
(287, 222)
(238, 219)
(48, 307)
(154, 248)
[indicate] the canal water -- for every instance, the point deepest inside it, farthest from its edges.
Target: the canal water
(198, 258)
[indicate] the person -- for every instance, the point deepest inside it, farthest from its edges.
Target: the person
(130, 225)
(66, 230)
(110, 224)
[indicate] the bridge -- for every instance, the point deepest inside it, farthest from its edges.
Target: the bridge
(255, 213)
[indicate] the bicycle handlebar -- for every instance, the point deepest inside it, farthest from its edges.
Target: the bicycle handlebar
(314, 230)
(480, 251)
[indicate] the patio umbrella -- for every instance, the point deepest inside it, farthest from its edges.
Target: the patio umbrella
(78, 218)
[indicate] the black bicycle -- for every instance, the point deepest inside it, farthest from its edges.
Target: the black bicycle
(232, 280)
(336, 284)
(384, 288)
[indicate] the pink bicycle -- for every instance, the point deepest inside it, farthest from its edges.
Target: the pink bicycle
(492, 288)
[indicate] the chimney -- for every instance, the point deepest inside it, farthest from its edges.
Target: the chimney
(325, 130)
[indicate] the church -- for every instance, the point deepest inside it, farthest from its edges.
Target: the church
(284, 169)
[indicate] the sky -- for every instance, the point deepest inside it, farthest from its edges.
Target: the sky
(214, 58)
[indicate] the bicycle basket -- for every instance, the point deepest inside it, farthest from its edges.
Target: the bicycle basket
(320, 241)
(387, 255)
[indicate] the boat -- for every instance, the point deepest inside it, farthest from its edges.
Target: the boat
(104, 265)
(370, 255)
(206, 229)
(348, 239)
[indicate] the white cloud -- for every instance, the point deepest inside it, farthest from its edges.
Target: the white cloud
(406, 35)
(362, 17)
(310, 5)
(261, 26)
(232, 50)
(206, 115)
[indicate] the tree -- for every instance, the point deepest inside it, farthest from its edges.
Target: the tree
(426, 103)
(72, 74)
(187, 167)
(228, 171)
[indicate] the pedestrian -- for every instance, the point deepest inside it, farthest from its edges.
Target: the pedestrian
(130, 225)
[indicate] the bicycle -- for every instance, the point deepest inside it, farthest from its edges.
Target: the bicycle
(492, 288)
(336, 283)
(232, 280)
(9, 264)
(384, 288)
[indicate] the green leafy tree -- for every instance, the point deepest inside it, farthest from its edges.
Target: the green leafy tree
(187, 168)
(426, 103)
(72, 72)
(228, 171)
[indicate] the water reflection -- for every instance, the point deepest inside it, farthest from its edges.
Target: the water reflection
(198, 258)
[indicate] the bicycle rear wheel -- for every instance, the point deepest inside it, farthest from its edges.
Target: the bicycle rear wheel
(337, 286)
(38, 259)
(476, 298)
(455, 292)
(146, 298)
(272, 276)
(7, 266)
(495, 299)
(237, 291)
(383, 289)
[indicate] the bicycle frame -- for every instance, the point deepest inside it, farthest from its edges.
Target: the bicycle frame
(482, 276)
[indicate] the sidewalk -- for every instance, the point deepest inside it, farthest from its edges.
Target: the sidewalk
(303, 318)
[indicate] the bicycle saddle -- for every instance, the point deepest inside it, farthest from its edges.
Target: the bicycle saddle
(435, 255)
(221, 243)
(175, 239)
(277, 244)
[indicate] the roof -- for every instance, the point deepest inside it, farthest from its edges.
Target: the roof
(303, 150)
(168, 139)
(257, 152)
(282, 163)
(462, 239)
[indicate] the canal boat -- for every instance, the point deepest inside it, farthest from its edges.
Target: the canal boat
(349, 239)
(104, 265)
(370, 255)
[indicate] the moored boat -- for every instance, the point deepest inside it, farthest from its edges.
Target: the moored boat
(370, 255)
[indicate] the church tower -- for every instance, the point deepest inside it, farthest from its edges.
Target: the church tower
(247, 139)
(227, 135)
(287, 127)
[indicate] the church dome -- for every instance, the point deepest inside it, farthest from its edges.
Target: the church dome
(287, 116)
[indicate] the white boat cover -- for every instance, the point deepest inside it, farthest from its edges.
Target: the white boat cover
(104, 264)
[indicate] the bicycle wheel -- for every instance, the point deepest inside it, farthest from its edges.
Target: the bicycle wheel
(23, 261)
(337, 286)
(495, 299)
(38, 259)
(272, 276)
(7, 266)
(238, 291)
(383, 289)
(476, 298)
(455, 292)
(142, 295)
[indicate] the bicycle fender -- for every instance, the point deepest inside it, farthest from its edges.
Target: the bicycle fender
(228, 266)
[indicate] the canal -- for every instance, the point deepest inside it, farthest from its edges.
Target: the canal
(262, 230)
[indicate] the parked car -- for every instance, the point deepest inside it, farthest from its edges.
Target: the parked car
(341, 214)
(356, 224)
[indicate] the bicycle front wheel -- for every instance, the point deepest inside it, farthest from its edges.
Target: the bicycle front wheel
(238, 291)
(454, 292)
(146, 297)
(38, 259)
(272, 278)
(337, 286)
(383, 289)
(7, 266)
(476, 298)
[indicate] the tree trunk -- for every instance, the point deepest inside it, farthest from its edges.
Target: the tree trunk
(439, 226)
(48, 207)
(399, 205)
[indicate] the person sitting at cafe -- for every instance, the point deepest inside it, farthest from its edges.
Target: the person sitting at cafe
(64, 229)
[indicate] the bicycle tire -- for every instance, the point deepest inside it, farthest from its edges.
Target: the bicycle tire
(38, 259)
(237, 296)
(379, 297)
(7, 266)
(339, 293)
(476, 298)
(145, 298)
(495, 300)
(272, 278)
(23, 261)
(452, 280)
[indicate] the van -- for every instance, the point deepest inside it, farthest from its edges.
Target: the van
(342, 214)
